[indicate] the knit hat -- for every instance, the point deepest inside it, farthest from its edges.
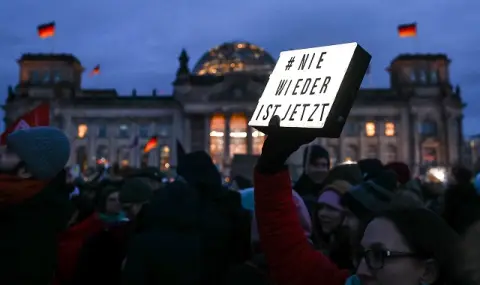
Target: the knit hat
(44, 150)
(332, 193)
(401, 169)
(366, 199)
(134, 190)
(370, 167)
(386, 179)
(350, 173)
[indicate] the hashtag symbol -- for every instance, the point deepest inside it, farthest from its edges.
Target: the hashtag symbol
(290, 63)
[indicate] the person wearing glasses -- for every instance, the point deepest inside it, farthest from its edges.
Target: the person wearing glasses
(404, 246)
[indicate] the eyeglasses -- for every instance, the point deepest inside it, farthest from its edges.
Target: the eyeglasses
(375, 258)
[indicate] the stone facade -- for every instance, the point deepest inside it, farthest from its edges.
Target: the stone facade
(418, 120)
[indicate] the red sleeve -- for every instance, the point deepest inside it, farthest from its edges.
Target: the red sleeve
(70, 244)
(291, 259)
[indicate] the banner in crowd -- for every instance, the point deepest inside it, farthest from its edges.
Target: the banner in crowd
(313, 89)
(40, 116)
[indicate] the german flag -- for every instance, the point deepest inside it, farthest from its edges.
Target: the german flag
(151, 144)
(95, 70)
(407, 30)
(46, 30)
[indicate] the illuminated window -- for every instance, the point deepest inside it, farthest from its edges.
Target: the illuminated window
(238, 134)
(82, 131)
(165, 158)
(429, 155)
(370, 129)
(258, 138)
(217, 139)
(389, 129)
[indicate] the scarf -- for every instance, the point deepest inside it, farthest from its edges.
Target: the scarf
(14, 190)
(113, 219)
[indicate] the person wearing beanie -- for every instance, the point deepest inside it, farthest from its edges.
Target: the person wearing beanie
(402, 170)
(134, 193)
(370, 167)
(34, 203)
(330, 235)
(316, 163)
(350, 173)
(393, 252)
(152, 176)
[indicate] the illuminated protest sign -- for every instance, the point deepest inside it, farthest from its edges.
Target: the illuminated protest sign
(313, 89)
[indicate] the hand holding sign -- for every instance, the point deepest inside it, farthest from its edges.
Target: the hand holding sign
(279, 145)
(313, 89)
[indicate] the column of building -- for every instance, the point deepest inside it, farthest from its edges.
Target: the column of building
(226, 140)
(453, 143)
(403, 149)
(206, 139)
(417, 143)
(249, 135)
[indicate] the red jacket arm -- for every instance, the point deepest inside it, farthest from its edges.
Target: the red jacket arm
(291, 258)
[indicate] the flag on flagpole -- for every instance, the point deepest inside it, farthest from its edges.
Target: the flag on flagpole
(407, 30)
(40, 116)
(46, 30)
(95, 70)
(151, 144)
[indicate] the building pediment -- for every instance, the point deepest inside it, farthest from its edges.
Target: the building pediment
(238, 89)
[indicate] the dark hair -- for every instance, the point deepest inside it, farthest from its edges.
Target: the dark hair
(429, 237)
(313, 152)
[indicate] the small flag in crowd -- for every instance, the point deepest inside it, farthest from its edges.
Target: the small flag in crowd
(407, 30)
(151, 144)
(46, 30)
(96, 70)
(40, 116)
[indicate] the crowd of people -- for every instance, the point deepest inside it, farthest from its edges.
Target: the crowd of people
(354, 223)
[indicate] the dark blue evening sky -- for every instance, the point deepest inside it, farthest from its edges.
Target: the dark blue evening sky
(137, 42)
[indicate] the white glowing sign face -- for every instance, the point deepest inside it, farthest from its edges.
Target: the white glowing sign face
(305, 83)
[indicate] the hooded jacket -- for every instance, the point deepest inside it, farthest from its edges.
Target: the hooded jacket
(224, 224)
(168, 250)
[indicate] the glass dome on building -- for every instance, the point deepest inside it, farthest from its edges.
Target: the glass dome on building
(234, 57)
